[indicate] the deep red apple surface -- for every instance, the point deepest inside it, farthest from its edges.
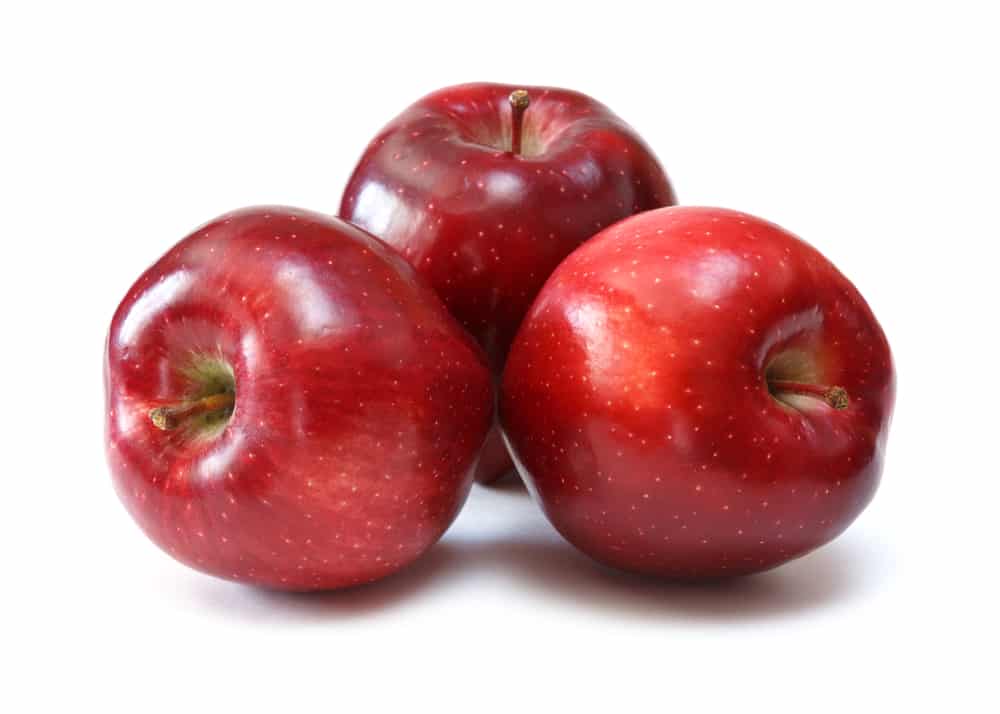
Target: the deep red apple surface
(484, 188)
(288, 404)
(698, 393)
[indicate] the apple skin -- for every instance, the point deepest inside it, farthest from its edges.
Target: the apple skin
(360, 403)
(486, 226)
(636, 397)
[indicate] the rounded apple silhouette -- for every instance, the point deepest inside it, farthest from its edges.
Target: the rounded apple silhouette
(289, 405)
(485, 188)
(698, 393)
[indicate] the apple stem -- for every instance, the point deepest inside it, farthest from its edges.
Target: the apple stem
(836, 397)
(519, 101)
(170, 417)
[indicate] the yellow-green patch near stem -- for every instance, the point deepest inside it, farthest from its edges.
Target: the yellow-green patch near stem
(208, 403)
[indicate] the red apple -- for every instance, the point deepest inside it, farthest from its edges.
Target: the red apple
(288, 404)
(484, 188)
(698, 393)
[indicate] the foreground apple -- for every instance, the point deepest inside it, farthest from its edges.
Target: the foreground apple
(484, 188)
(698, 393)
(289, 405)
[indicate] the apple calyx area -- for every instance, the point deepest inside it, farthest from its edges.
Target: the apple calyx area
(836, 397)
(209, 402)
(212, 407)
(519, 101)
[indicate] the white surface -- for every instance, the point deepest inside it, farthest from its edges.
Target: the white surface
(869, 129)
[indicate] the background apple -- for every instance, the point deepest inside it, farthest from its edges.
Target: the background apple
(484, 188)
(289, 405)
(699, 393)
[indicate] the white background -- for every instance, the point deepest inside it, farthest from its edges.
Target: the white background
(869, 129)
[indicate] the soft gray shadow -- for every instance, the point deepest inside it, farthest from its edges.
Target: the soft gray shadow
(830, 576)
(544, 565)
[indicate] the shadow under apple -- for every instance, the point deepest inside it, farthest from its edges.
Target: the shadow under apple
(537, 560)
(827, 577)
